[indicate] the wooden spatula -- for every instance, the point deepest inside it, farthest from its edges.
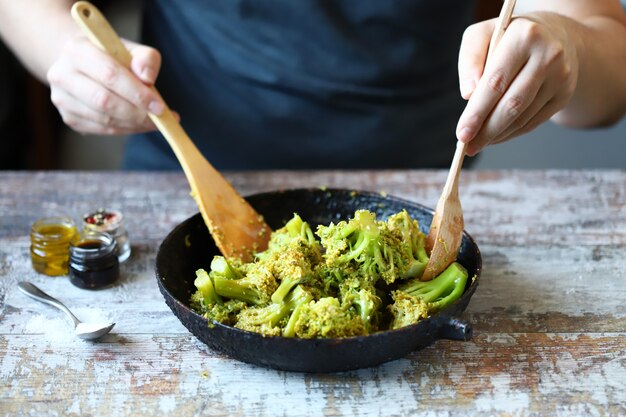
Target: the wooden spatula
(446, 228)
(236, 227)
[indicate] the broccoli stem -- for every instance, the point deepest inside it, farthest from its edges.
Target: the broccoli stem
(220, 265)
(366, 308)
(290, 327)
(441, 291)
(283, 289)
(237, 289)
(272, 314)
(299, 228)
(295, 301)
(204, 284)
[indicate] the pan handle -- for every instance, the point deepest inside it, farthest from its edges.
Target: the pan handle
(454, 329)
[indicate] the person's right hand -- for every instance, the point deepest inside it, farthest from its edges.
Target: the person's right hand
(95, 94)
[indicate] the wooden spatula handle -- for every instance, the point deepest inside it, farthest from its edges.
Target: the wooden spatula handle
(501, 24)
(101, 34)
(238, 230)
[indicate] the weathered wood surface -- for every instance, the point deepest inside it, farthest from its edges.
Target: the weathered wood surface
(549, 316)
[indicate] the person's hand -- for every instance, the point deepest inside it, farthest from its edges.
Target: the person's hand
(530, 76)
(95, 94)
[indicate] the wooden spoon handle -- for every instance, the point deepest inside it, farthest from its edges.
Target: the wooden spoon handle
(446, 228)
(457, 161)
(501, 24)
(236, 227)
(101, 34)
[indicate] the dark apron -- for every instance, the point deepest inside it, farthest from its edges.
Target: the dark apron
(300, 84)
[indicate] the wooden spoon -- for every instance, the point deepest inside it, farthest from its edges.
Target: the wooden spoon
(238, 230)
(446, 228)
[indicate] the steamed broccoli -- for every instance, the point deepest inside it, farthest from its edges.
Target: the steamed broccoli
(441, 291)
(206, 290)
(376, 249)
(406, 309)
(326, 318)
(292, 266)
(363, 298)
(255, 287)
(412, 243)
(227, 269)
(361, 277)
(292, 252)
(294, 229)
(415, 300)
(266, 320)
(210, 304)
(225, 312)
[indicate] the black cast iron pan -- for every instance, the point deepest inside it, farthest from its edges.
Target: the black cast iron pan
(189, 247)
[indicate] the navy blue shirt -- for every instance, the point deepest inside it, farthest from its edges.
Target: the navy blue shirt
(297, 84)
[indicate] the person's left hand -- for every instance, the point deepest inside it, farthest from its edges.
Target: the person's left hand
(530, 76)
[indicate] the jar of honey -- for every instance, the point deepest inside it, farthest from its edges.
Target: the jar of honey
(93, 260)
(49, 244)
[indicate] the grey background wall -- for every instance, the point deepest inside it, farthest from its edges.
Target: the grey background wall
(550, 146)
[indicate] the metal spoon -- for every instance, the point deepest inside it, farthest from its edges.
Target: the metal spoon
(87, 331)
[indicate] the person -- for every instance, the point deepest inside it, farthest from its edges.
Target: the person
(330, 84)
(12, 104)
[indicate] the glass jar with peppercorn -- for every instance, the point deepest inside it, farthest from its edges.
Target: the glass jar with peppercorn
(111, 222)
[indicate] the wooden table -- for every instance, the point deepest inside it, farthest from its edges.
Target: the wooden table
(549, 316)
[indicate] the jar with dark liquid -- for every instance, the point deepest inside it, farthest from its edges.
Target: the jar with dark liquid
(93, 260)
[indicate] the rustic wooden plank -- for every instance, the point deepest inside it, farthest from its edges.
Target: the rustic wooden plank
(498, 374)
(512, 208)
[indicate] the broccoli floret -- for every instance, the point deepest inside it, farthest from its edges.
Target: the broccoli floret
(441, 291)
(227, 312)
(225, 268)
(291, 256)
(256, 287)
(208, 303)
(206, 290)
(196, 302)
(267, 319)
(330, 277)
(295, 228)
(292, 266)
(412, 243)
(362, 297)
(340, 287)
(326, 318)
(406, 309)
(377, 249)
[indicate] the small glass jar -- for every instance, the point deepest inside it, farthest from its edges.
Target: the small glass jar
(49, 244)
(111, 222)
(93, 260)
